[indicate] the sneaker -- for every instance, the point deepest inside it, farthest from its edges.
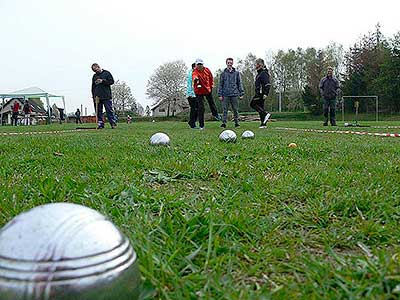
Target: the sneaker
(223, 125)
(237, 125)
(325, 124)
(113, 126)
(266, 118)
(262, 126)
(201, 128)
(218, 117)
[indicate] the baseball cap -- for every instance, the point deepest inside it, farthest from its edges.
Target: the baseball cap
(199, 61)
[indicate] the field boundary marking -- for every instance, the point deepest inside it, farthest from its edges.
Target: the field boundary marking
(341, 132)
(43, 132)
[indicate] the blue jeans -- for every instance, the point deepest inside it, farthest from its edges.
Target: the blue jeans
(109, 111)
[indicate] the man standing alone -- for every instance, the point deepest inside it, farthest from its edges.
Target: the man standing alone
(262, 86)
(101, 92)
(329, 88)
(229, 89)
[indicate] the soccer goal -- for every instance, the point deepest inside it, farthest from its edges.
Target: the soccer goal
(356, 108)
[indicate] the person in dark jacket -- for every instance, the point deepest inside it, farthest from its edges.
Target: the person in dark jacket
(101, 93)
(78, 116)
(262, 86)
(230, 87)
(27, 109)
(329, 87)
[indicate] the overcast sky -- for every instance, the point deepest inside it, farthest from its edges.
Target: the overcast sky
(52, 43)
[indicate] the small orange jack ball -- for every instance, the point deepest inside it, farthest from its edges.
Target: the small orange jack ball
(292, 145)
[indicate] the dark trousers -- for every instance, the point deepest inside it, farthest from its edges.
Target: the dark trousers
(78, 120)
(200, 109)
(192, 112)
(109, 111)
(14, 118)
(330, 111)
(257, 103)
(211, 103)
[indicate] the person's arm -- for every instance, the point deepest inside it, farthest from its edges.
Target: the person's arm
(211, 80)
(108, 80)
(220, 84)
(240, 85)
(265, 84)
(93, 87)
(189, 84)
(321, 86)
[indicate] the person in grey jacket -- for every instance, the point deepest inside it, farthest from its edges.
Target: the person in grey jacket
(329, 87)
(230, 88)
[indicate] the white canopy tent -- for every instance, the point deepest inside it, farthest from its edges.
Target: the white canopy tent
(32, 92)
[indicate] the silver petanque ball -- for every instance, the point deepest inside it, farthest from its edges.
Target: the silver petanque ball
(64, 251)
(159, 138)
(248, 134)
(228, 136)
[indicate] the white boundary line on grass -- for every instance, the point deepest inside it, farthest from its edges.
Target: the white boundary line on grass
(43, 132)
(341, 132)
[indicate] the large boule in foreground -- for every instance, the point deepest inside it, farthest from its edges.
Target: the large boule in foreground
(64, 251)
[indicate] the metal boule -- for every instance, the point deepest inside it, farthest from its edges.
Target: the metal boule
(248, 134)
(65, 251)
(228, 136)
(159, 138)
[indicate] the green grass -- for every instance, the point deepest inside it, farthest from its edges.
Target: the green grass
(209, 220)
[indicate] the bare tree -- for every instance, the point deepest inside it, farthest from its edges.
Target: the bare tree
(168, 83)
(123, 99)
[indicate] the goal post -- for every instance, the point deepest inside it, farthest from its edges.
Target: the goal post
(357, 101)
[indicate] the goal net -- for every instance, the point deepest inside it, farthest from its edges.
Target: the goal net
(359, 108)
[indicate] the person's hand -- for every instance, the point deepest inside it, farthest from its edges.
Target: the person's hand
(264, 97)
(221, 98)
(98, 81)
(241, 97)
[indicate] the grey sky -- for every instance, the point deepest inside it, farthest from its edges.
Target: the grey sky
(52, 43)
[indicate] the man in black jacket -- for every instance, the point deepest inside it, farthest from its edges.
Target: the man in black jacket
(101, 92)
(329, 88)
(262, 85)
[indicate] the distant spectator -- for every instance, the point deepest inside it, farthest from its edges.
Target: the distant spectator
(128, 119)
(27, 110)
(15, 113)
(78, 116)
(61, 111)
(329, 88)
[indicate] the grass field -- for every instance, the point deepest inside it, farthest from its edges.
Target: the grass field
(210, 220)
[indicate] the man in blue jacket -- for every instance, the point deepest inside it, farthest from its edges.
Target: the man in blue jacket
(101, 93)
(329, 87)
(230, 87)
